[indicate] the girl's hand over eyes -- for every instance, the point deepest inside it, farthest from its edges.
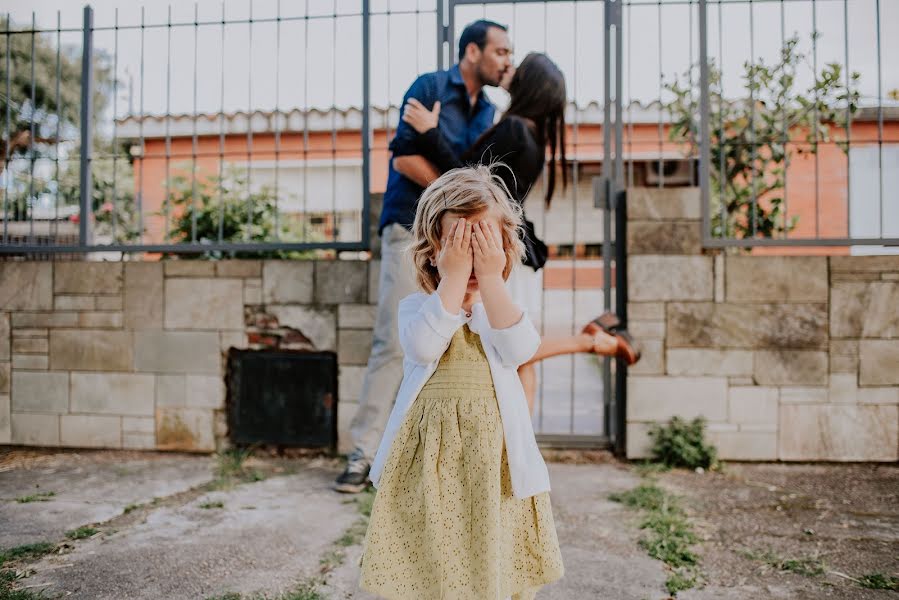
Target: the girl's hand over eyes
(455, 258)
(489, 256)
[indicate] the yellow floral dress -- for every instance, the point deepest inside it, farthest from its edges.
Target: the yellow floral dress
(444, 524)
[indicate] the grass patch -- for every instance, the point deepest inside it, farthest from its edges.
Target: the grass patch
(81, 533)
(26, 551)
(231, 468)
(218, 504)
(879, 581)
(7, 579)
(669, 535)
(647, 496)
(39, 497)
(805, 566)
(305, 590)
(131, 508)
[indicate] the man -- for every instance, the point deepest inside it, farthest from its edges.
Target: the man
(485, 56)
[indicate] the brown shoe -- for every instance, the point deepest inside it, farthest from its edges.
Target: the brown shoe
(628, 350)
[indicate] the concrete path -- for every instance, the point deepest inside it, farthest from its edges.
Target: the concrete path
(267, 537)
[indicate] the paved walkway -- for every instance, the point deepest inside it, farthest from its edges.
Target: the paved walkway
(186, 535)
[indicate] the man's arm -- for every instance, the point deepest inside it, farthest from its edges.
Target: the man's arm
(417, 168)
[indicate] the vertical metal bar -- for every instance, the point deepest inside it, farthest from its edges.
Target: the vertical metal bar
(334, 221)
(306, 217)
(621, 310)
(619, 56)
(193, 139)
(246, 233)
(661, 78)
(6, 163)
(574, 184)
(704, 132)
(630, 102)
(387, 68)
(690, 74)
(722, 148)
(441, 34)
(606, 183)
(31, 202)
(879, 118)
(277, 116)
(87, 109)
(221, 181)
(57, 135)
(168, 118)
(814, 79)
(143, 145)
(848, 120)
(752, 144)
(366, 120)
(786, 130)
(115, 141)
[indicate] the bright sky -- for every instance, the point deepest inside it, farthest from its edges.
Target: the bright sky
(329, 50)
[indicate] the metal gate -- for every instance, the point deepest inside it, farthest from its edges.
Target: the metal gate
(591, 412)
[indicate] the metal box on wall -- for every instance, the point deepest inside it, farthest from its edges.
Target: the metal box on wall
(282, 397)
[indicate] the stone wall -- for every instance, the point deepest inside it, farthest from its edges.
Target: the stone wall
(132, 355)
(787, 357)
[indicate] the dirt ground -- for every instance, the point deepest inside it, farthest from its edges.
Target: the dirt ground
(754, 518)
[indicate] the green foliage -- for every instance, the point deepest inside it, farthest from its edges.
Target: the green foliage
(206, 209)
(682, 444)
(25, 551)
(39, 497)
(879, 581)
(748, 156)
(669, 533)
(81, 533)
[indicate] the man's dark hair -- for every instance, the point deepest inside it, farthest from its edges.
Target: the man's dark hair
(477, 33)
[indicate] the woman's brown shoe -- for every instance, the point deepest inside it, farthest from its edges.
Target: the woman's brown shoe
(628, 350)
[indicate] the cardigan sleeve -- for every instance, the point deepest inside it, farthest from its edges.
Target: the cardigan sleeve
(426, 327)
(517, 343)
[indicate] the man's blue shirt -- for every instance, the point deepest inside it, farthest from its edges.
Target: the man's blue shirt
(460, 122)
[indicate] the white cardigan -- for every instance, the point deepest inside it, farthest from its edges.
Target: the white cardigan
(425, 329)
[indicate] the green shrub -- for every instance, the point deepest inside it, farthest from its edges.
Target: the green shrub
(682, 444)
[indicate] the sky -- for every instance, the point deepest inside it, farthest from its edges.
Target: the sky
(318, 62)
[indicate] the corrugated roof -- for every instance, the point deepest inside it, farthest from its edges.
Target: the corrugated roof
(350, 119)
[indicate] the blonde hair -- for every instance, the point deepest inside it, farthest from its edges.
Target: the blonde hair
(465, 191)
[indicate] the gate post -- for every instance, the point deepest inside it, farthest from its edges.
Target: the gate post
(87, 109)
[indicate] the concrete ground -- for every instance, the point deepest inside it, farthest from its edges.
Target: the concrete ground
(265, 537)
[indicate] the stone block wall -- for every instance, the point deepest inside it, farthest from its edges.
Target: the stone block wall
(133, 355)
(788, 357)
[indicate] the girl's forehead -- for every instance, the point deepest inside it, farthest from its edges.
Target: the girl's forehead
(450, 216)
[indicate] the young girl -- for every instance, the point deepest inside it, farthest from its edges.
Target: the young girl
(462, 510)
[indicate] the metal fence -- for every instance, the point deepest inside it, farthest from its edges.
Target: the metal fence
(218, 128)
(798, 142)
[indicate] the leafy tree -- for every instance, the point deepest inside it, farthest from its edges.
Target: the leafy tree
(748, 156)
(47, 110)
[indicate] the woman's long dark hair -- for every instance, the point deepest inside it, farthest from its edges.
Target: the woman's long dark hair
(538, 93)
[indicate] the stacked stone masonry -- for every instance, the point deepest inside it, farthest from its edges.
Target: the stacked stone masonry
(133, 354)
(787, 357)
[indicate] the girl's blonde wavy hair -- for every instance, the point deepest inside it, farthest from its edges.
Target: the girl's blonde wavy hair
(464, 192)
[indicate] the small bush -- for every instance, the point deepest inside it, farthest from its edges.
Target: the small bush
(879, 581)
(682, 444)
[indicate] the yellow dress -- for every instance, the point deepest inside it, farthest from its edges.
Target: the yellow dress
(444, 524)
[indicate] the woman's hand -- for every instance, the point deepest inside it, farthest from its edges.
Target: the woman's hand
(420, 118)
(454, 261)
(489, 257)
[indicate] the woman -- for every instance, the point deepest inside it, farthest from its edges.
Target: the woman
(534, 121)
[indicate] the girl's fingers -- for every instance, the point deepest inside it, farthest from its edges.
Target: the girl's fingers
(487, 235)
(497, 236)
(466, 241)
(460, 232)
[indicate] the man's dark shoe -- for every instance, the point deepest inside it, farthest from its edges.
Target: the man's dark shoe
(354, 478)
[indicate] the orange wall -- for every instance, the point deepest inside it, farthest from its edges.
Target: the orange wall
(828, 201)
